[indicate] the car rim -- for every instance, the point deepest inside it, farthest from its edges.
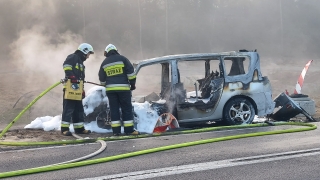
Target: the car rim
(240, 113)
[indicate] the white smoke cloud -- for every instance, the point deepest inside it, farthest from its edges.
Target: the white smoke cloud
(34, 51)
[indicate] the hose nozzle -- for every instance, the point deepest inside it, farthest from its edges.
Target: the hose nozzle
(63, 80)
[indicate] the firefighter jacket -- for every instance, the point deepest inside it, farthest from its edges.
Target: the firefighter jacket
(73, 65)
(116, 72)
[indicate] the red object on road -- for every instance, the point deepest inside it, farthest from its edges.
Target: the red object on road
(299, 84)
(166, 120)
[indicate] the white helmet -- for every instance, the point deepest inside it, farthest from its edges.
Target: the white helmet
(110, 47)
(86, 48)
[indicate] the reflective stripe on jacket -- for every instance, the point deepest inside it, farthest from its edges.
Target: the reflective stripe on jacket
(73, 65)
(116, 72)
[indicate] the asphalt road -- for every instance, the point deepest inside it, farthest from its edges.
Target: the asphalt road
(293, 156)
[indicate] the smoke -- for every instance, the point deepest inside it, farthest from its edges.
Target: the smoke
(42, 42)
(34, 52)
(145, 28)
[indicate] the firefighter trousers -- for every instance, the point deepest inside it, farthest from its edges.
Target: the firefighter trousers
(72, 112)
(117, 101)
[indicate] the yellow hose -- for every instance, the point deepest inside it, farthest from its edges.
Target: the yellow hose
(26, 108)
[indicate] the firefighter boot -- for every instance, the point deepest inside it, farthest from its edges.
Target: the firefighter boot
(134, 133)
(116, 131)
(65, 130)
(85, 132)
(66, 133)
(129, 128)
(81, 131)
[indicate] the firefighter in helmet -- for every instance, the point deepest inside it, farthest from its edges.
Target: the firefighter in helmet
(116, 74)
(73, 111)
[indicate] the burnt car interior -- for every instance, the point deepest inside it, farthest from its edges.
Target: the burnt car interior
(177, 93)
(208, 89)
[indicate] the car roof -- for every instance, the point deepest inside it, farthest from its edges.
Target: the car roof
(186, 57)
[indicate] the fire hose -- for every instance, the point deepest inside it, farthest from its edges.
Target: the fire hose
(89, 82)
(72, 164)
(93, 83)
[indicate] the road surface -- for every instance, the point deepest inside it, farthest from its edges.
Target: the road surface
(283, 156)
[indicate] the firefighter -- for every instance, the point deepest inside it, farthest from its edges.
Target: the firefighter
(73, 111)
(116, 74)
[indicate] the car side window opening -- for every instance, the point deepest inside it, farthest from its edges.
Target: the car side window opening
(212, 68)
(148, 80)
(196, 75)
(236, 65)
(189, 72)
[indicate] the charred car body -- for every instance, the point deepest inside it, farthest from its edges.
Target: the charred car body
(231, 90)
(225, 87)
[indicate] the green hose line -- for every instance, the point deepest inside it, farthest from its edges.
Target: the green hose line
(77, 141)
(26, 108)
(204, 130)
(158, 149)
(116, 138)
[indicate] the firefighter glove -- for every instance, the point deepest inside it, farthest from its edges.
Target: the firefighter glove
(132, 87)
(73, 79)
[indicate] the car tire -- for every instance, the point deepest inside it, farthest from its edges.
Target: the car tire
(238, 111)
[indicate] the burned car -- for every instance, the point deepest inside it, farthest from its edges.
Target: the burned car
(225, 87)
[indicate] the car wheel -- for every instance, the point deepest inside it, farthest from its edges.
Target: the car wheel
(238, 111)
(104, 119)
